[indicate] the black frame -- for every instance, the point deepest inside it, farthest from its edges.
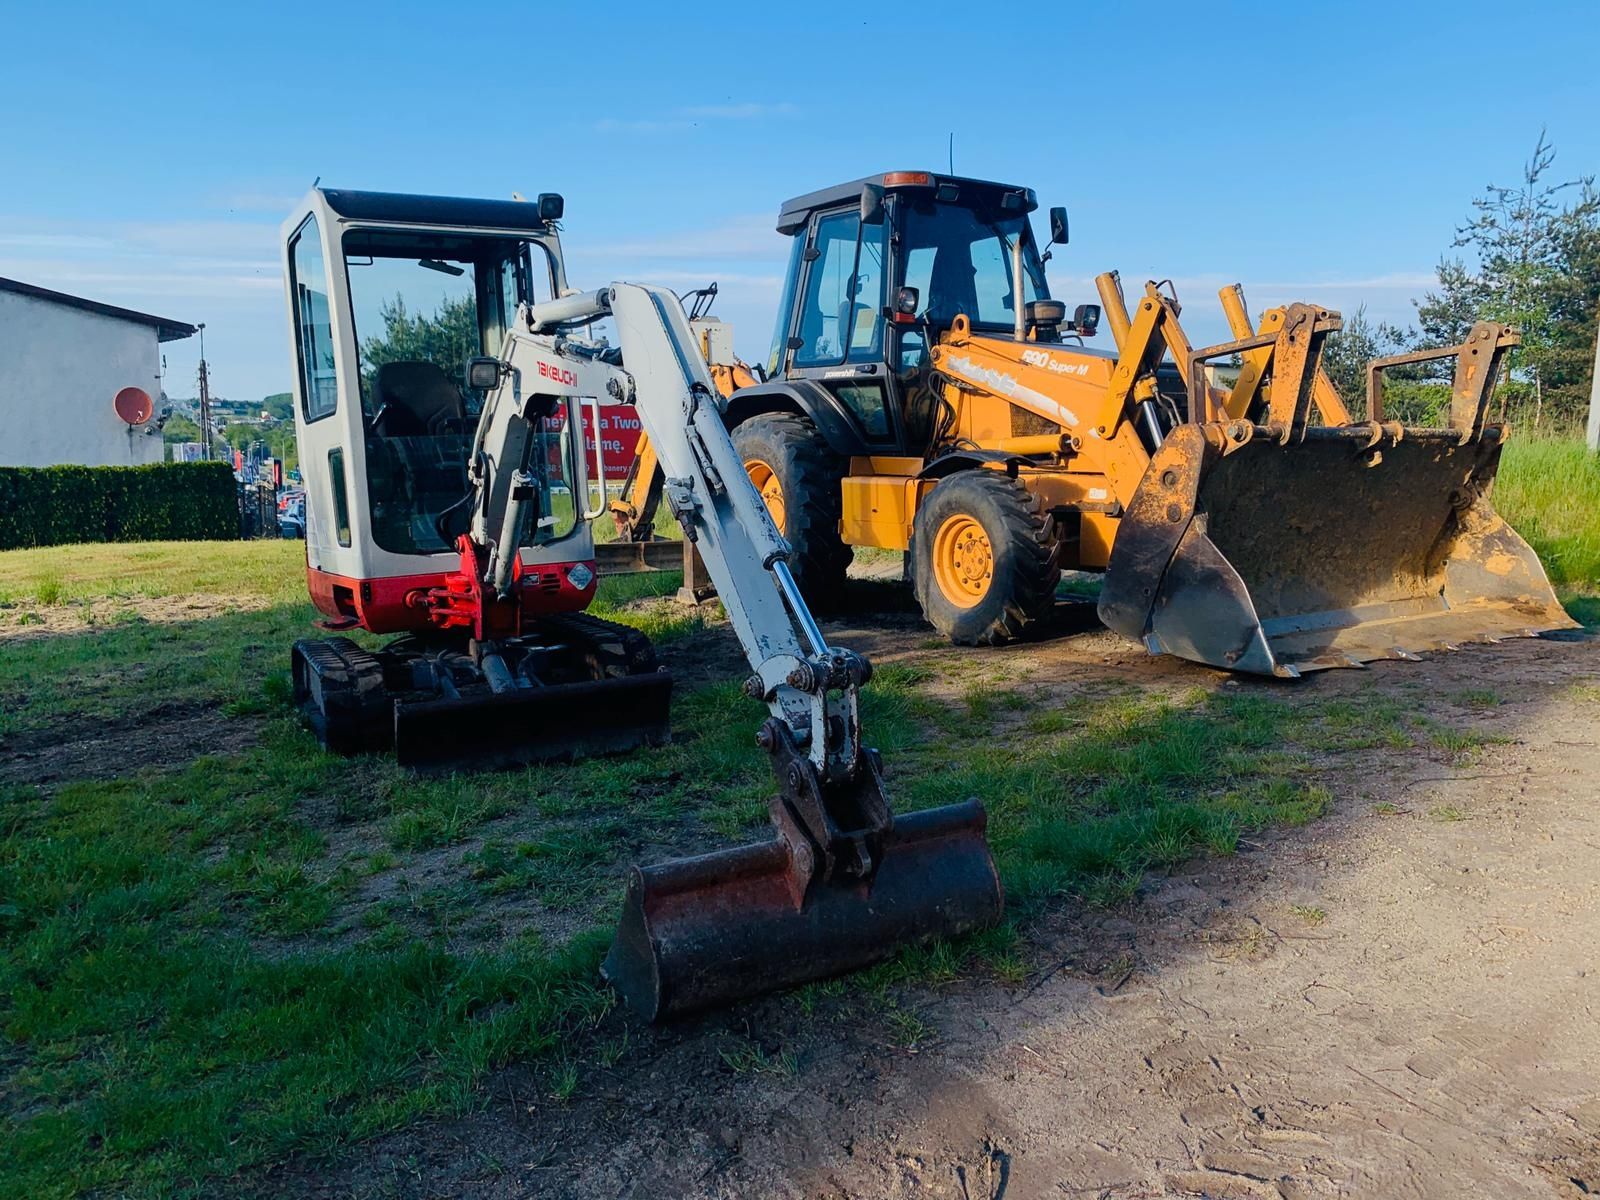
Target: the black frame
(842, 371)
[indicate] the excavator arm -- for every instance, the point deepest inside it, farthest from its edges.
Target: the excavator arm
(843, 883)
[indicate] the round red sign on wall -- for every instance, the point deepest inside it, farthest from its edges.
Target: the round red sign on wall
(133, 405)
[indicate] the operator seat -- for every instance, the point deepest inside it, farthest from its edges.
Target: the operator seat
(952, 286)
(415, 399)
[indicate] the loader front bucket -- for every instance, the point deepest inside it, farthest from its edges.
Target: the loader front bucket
(701, 932)
(1356, 544)
(557, 723)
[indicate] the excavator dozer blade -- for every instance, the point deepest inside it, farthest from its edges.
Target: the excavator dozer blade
(701, 932)
(1350, 546)
(558, 723)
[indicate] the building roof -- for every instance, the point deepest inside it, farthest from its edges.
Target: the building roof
(167, 330)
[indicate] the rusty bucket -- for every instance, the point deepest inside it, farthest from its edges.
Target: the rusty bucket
(1357, 543)
(705, 931)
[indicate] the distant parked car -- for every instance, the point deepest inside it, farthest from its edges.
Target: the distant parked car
(292, 517)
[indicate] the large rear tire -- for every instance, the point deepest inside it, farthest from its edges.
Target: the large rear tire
(798, 477)
(981, 567)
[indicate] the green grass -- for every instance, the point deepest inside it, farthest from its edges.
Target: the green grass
(154, 1037)
(239, 955)
(1550, 492)
(56, 574)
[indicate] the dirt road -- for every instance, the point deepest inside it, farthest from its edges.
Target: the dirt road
(1397, 1001)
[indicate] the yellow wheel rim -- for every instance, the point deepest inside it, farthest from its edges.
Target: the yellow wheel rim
(766, 481)
(963, 560)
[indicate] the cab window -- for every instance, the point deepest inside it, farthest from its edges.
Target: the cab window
(959, 260)
(841, 313)
(423, 304)
(780, 335)
(319, 388)
(825, 309)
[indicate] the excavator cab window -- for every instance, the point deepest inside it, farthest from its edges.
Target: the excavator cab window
(423, 304)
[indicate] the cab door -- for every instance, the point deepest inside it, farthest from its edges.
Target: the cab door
(838, 335)
(326, 426)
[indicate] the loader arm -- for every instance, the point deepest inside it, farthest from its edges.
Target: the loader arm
(843, 884)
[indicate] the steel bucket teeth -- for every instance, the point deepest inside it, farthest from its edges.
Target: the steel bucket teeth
(558, 723)
(1280, 559)
(705, 931)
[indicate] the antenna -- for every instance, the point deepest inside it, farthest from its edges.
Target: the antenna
(952, 152)
(205, 398)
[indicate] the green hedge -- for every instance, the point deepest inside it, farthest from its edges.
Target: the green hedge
(49, 506)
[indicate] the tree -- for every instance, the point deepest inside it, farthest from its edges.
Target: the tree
(1345, 355)
(1536, 265)
(180, 428)
(449, 337)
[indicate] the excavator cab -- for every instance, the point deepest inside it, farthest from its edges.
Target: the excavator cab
(419, 286)
(391, 299)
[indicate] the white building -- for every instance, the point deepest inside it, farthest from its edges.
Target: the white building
(63, 359)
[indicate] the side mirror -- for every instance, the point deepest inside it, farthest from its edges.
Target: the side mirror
(871, 204)
(1086, 319)
(551, 206)
(484, 374)
(1058, 226)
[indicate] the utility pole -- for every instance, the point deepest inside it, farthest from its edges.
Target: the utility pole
(205, 399)
(1594, 399)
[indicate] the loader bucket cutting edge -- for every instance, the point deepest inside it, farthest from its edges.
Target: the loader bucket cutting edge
(701, 932)
(558, 723)
(1333, 552)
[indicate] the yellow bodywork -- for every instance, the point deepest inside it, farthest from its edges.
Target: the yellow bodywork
(880, 496)
(1252, 526)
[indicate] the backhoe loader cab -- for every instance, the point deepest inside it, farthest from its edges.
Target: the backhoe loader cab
(864, 300)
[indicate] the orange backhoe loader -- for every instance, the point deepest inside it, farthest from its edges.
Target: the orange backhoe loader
(925, 394)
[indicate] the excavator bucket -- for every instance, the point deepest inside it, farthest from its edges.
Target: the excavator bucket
(844, 883)
(558, 723)
(702, 932)
(1354, 544)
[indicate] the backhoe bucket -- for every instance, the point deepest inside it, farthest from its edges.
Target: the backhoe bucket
(557, 723)
(1356, 544)
(701, 932)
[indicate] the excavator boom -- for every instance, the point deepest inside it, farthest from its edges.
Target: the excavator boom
(842, 883)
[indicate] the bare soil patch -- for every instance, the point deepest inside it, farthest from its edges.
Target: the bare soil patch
(1399, 1000)
(166, 735)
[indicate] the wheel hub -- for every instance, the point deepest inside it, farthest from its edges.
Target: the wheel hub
(766, 481)
(963, 560)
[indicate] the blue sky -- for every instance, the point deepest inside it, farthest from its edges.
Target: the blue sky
(1324, 153)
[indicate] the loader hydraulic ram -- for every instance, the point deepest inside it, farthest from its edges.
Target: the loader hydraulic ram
(843, 882)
